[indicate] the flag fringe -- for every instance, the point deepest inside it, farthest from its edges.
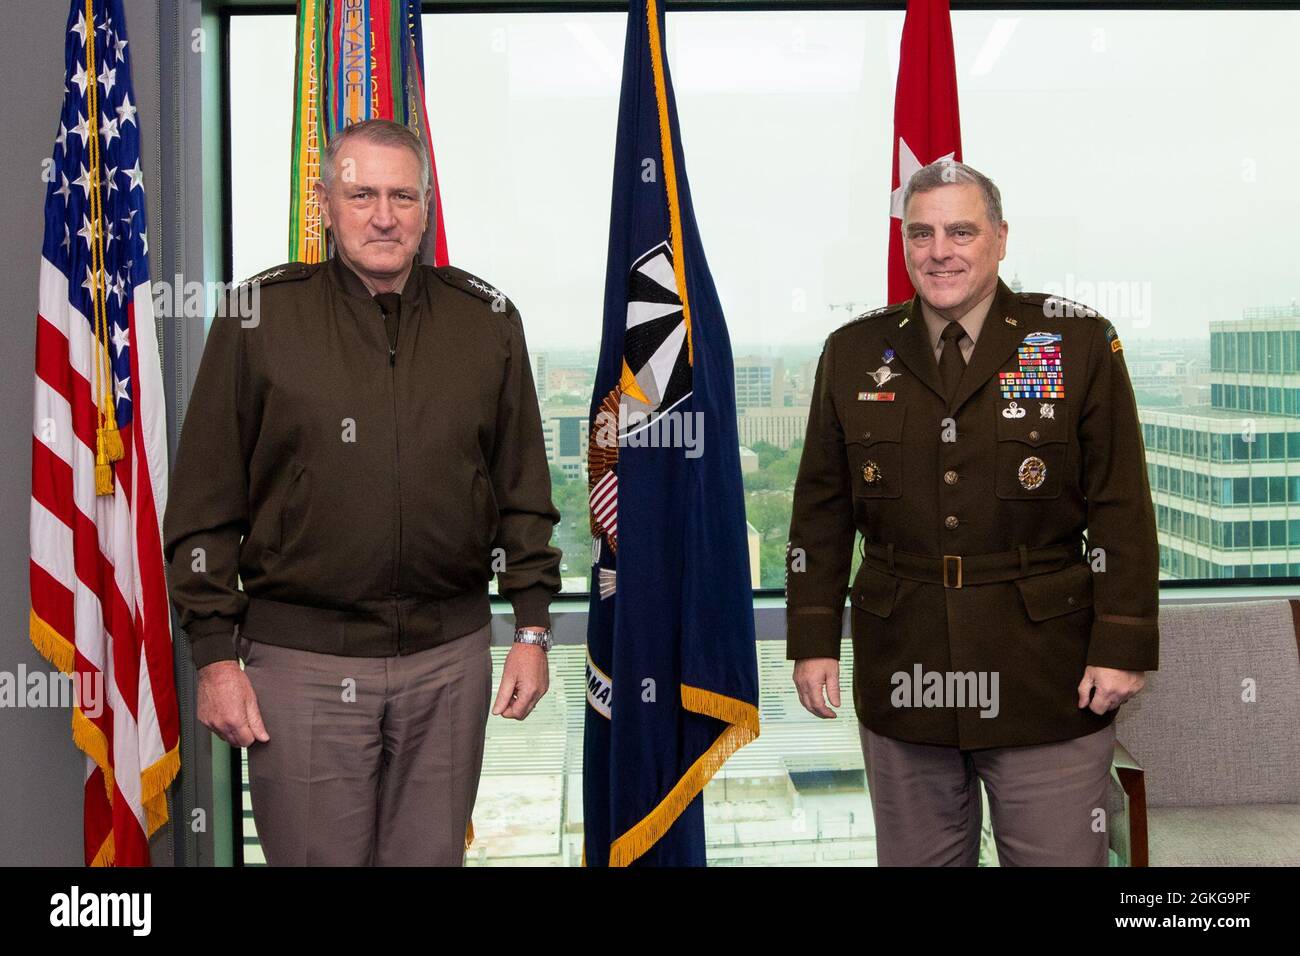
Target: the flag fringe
(743, 721)
(106, 853)
(154, 779)
(469, 833)
(94, 744)
(50, 644)
(720, 706)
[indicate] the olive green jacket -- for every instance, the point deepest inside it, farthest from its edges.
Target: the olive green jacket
(986, 474)
(362, 496)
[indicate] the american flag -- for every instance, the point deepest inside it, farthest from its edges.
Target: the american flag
(99, 609)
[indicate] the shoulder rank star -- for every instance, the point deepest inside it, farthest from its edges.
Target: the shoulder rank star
(484, 288)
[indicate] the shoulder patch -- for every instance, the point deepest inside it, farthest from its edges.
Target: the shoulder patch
(895, 309)
(472, 284)
(287, 272)
(1112, 338)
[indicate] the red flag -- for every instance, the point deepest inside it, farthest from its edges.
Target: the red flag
(926, 123)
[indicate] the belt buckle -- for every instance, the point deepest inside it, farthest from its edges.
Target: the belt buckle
(949, 560)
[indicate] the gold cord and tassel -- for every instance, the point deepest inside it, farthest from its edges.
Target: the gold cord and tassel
(108, 440)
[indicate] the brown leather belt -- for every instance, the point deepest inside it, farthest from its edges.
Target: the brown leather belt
(957, 570)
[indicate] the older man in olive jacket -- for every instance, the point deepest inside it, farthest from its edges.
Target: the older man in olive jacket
(361, 458)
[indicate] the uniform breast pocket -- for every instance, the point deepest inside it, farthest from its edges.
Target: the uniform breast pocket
(873, 445)
(1031, 452)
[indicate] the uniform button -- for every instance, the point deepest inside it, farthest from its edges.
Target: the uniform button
(1033, 436)
(866, 435)
(950, 522)
(1070, 601)
(950, 477)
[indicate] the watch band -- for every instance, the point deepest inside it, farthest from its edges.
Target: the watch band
(541, 638)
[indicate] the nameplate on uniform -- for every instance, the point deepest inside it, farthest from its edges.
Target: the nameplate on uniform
(875, 396)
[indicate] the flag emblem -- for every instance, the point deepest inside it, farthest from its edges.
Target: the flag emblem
(672, 682)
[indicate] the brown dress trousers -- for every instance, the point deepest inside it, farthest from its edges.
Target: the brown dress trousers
(372, 760)
(1047, 801)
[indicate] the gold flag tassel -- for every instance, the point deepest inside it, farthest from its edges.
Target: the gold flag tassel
(103, 470)
(108, 440)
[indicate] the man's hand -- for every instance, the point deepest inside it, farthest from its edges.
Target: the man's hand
(818, 678)
(1109, 688)
(524, 681)
(228, 706)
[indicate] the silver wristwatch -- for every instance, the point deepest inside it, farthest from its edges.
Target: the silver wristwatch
(541, 638)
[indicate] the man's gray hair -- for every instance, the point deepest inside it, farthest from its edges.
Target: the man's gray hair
(381, 132)
(946, 172)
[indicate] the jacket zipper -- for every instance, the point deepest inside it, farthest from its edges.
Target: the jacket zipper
(397, 489)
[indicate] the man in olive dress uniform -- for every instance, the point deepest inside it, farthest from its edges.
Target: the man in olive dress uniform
(986, 445)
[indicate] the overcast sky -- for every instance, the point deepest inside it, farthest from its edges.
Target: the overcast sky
(1153, 153)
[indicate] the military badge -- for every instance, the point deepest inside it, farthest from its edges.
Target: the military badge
(883, 374)
(875, 396)
(1013, 411)
(871, 472)
(1046, 410)
(888, 356)
(1033, 471)
(1042, 338)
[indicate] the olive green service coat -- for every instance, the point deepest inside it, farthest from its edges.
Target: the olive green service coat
(973, 514)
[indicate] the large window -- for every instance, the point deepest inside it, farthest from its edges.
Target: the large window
(1144, 159)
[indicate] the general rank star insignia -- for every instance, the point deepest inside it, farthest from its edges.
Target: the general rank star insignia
(484, 288)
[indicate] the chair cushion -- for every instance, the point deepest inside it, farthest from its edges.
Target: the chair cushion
(1261, 834)
(1200, 737)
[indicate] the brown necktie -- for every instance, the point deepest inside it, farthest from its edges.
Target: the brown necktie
(951, 362)
(391, 304)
